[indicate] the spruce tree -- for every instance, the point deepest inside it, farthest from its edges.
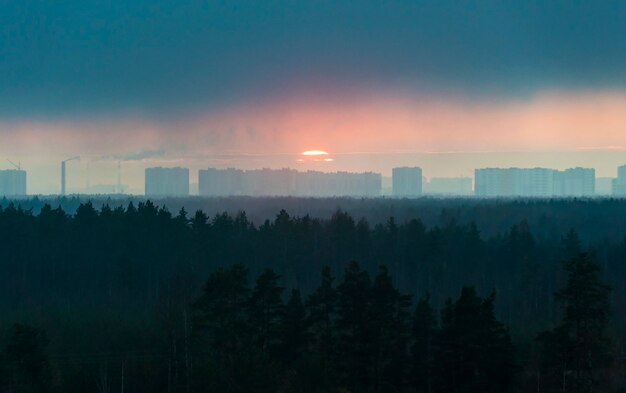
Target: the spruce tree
(27, 369)
(356, 352)
(294, 335)
(390, 332)
(423, 332)
(265, 310)
(474, 350)
(322, 314)
(221, 329)
(577, 350)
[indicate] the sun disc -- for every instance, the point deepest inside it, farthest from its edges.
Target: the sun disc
(314, 153)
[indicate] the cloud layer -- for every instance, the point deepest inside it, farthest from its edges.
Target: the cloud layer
(80, 57)
(368, 124)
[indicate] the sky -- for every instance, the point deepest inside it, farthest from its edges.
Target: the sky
(446, 85)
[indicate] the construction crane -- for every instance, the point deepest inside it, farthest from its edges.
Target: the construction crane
(17, 166)
(63, 172)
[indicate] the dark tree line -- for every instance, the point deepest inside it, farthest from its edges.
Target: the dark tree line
(577, 350)
(361, 335)
(122, 295)
(594, 219)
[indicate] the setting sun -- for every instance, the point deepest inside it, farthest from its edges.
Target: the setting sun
(314, 153)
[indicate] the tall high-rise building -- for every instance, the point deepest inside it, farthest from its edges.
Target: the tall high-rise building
(270, 182)
(534, 182)
(619, 184)
(575, 182)
(220, 182)
(12, 182)
(406, 181)
(161, 181)
(489, 182)
(287, 182)
(508, 182)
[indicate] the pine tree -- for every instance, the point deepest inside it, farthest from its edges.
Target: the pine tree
(300, 373)
(294, 334)
(423, 332)
(265, 310)
(389, 322)
(356, 353)
(221, 329)
(220, 310)
(577, 349)
(322, 314)
(27, 369)
(474, 350)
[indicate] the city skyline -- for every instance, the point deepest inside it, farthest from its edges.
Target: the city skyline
(404, 182)
(444, 86)
(92, 171)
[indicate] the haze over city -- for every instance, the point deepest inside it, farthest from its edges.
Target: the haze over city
(445, 87)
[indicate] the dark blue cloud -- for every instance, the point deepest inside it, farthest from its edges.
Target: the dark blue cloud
(90, 56)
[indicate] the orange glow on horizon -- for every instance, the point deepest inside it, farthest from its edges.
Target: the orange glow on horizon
(314, 153)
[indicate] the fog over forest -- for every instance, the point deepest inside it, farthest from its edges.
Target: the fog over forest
(181, 300)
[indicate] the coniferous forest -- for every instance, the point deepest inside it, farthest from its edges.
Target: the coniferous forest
(141, 299)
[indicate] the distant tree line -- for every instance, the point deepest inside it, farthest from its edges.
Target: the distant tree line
(595, 219)
(118, 299)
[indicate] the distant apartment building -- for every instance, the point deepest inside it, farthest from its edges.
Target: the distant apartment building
(406, 181)
(287, 182)
(12, 182)
(448, 186)
(619, 183)
(220, 182)
(319, 184)
(534, 182)
(167, 181)
(366, 184)
(509, 182)
(575, 182)
(489, 182)
(270, 182)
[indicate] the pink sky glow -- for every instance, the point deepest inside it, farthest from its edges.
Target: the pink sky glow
(273, 134)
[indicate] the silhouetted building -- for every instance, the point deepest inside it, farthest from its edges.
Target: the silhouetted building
(167, 181)
(287, 182)
(534, 182)
(509, 182)
(270, 182)
(489, 182)
(220, 182)
(406, 181)
(448, 186)
(575, 182)
(12, 182)
(619, 184)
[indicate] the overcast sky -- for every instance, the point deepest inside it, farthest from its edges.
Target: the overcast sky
(442, 84)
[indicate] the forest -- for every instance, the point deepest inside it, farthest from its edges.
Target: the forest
(135, 298)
